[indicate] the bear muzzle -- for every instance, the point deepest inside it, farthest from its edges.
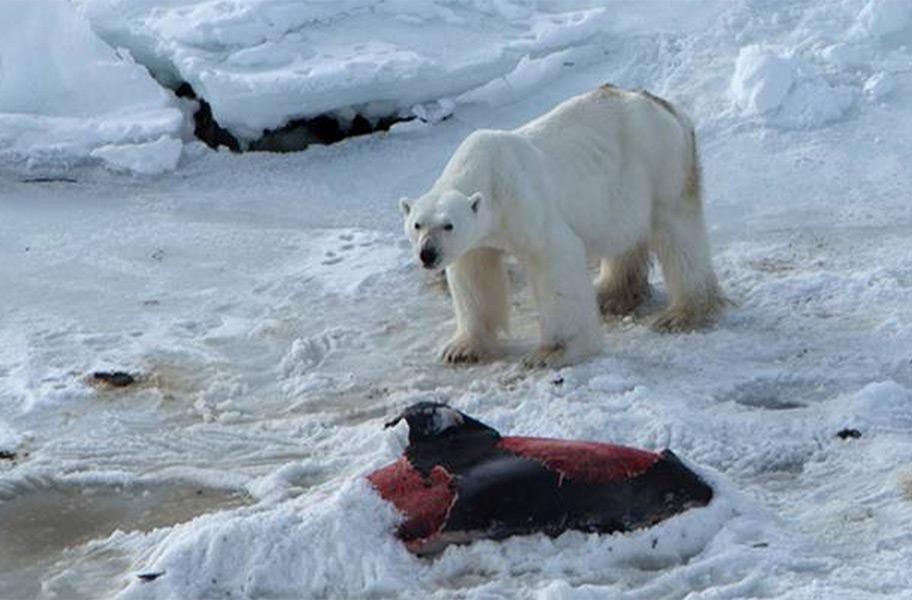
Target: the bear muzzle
(429, 257)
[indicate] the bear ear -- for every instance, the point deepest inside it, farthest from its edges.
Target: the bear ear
(475, 201)
(406, 205)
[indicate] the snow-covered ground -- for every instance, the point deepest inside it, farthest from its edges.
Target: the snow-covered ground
(65, 95)
(272, 309)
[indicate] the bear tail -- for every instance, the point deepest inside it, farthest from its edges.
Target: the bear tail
(693, 176)
(693, 171)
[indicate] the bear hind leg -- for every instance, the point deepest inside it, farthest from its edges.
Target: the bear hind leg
(682, 246)
(623, 281)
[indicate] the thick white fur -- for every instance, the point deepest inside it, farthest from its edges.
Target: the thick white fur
(612, 174)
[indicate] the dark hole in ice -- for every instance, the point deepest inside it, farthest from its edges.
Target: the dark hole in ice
(298, 134)
(206, 128)
(114, 378)
(7, 455)
(295, 135)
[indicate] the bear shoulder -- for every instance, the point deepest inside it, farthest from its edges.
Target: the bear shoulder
(492, 147)
(483, 139)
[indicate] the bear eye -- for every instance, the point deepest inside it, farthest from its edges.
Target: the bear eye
(417, 225)
(448, 227)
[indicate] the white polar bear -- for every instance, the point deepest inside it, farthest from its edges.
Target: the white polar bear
(612, 174)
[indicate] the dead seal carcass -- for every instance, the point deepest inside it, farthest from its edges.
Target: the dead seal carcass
(460, 480)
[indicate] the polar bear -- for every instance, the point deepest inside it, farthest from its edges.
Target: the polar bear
(613, 175)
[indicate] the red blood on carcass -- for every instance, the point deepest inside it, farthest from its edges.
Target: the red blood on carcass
(594, 462)
(424, 501)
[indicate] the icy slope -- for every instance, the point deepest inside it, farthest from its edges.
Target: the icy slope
(262, 63)
(65, 94)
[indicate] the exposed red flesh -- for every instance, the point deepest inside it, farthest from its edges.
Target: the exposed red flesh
(593, 462)
(424, 502)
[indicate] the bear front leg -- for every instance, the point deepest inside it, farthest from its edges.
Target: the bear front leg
(463, 349)
(567, 309)
(479, 287)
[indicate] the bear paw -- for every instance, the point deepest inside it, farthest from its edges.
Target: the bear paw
(462, 350)
(620, 302)
(675, 320)
(545, 357)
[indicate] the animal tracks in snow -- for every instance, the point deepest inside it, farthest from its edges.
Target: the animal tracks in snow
(347, 262)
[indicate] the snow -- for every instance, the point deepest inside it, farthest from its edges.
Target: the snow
(880, 18)
(87, 94)
(149, 159)
(300, 556)
(879, 85)
(275, 319)
(262, 63)
(791, 89)
(762, 80)
(9, 439)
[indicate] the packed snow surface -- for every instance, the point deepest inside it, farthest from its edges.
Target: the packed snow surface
(274, 318)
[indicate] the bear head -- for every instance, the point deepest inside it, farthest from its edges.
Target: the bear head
(442, 226)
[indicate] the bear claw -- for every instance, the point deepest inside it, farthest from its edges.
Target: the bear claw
(677, 321)
(461, 351)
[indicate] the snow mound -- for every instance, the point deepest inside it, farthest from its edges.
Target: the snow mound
(64, 92)
(814, 103)
(788, 92)
(879, 85)
(149, 159)
(263, 63)
(884, 406)
(880, 18)
(761, 81)
(9, 438)
(338, 545)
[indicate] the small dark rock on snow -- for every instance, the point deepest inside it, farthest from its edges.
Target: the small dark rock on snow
(848, 434)
(114, 378)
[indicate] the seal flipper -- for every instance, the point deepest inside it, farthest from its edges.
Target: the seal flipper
(665, 489)
(687, 489)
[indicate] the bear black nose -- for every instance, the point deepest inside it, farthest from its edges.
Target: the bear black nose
(428, 256)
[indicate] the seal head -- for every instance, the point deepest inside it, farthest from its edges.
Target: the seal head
(441, 435)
